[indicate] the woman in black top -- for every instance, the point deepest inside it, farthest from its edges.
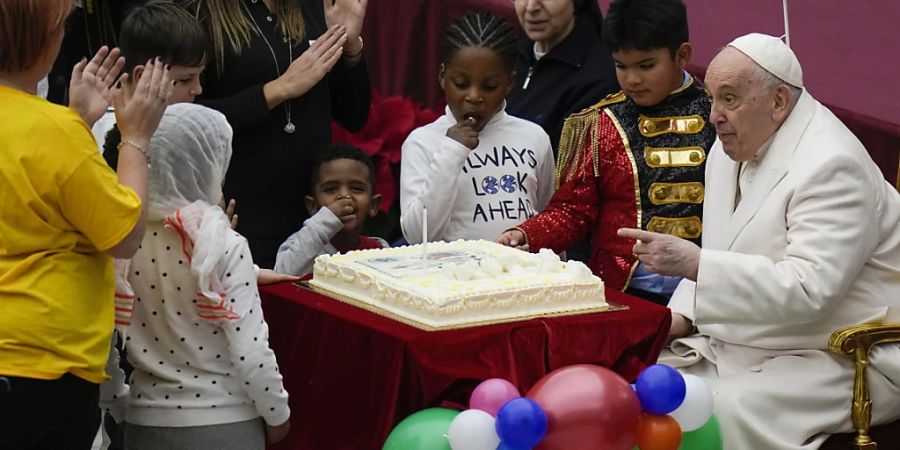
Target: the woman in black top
(276, 90)
(564, 66)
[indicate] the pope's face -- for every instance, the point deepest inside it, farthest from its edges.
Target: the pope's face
(744, 110)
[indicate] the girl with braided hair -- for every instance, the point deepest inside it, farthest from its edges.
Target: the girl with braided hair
(476, 170)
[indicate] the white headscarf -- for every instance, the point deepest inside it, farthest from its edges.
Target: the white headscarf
(189, 156)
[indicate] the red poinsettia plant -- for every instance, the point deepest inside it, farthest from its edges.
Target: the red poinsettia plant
(391, 119)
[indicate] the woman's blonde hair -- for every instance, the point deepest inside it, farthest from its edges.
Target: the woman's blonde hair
(226, 21)
(27, 29)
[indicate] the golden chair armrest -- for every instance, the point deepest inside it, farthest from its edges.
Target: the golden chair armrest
(856, 341)
(846, 341)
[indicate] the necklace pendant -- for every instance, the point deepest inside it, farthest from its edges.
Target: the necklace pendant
(290, 128)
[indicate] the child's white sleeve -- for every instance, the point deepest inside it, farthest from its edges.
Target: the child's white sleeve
(297, 254)
(248, 335)
(429, 171)
(546, 172)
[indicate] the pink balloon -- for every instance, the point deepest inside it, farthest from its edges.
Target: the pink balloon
(491, 394)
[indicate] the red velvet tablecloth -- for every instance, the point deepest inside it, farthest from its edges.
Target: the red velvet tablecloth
(352, 375)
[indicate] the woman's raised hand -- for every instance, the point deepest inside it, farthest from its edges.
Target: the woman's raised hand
(349, 13)
(307, 70)
(89, 89)
(138, 113)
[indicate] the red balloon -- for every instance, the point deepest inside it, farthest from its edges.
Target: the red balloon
(588, 408)
(658, 433)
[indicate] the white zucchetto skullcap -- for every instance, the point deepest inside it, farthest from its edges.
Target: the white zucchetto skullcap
(771, 54)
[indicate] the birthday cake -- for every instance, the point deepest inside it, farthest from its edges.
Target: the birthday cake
(458, 284)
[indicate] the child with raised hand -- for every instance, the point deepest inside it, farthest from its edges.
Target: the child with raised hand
(636, 158)
(342, 196)
(204, 376)
(476, 170)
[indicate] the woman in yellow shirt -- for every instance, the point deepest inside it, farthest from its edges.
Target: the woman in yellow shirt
(63, 215)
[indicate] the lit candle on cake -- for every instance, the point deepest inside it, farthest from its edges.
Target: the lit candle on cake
(425, 235)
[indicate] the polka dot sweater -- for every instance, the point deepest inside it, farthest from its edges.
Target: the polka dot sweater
(190, 370)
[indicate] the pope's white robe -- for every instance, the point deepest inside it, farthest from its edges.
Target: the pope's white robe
(813, 246)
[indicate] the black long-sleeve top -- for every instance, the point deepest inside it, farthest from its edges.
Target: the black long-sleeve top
(573, 75)
(270, 170)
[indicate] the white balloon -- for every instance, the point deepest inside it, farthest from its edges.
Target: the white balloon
(473, 429)
(697, 407)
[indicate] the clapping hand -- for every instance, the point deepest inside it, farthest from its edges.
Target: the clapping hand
(89, 89)
(464, 132)
(138, 113)
(664, 254)
(348, 13)
(307, 70)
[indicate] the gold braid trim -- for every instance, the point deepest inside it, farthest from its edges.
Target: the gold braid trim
(579, 138)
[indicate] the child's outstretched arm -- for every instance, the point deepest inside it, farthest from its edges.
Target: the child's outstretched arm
(568, 217)
(429, 172)
(297, 254)
(248, 335)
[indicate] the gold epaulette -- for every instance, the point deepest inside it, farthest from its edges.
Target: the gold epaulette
(610, 99)
(579, 133)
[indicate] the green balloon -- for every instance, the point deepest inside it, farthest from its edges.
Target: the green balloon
(424, 430)
(707, 437)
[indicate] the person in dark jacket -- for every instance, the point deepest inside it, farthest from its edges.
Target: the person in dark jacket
(564, 66)
(280, 92)
(93, 24)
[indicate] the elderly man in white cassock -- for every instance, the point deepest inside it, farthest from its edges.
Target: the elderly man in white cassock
(801, 237)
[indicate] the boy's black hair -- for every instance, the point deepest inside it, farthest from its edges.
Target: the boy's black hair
(481, 30)
(645, 25)
(334, 152)
(162, 28)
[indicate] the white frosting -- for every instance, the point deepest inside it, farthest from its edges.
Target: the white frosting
(462, 282)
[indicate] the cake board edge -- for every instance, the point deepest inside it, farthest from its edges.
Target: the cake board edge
(609, 307)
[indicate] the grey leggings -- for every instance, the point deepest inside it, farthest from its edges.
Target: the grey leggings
(249, 435)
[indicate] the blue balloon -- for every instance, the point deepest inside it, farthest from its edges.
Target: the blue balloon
(503, 446)
(661, 389)
(521, 424)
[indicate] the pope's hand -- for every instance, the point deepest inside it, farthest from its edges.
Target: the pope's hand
(681, 327)
(665, 254)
